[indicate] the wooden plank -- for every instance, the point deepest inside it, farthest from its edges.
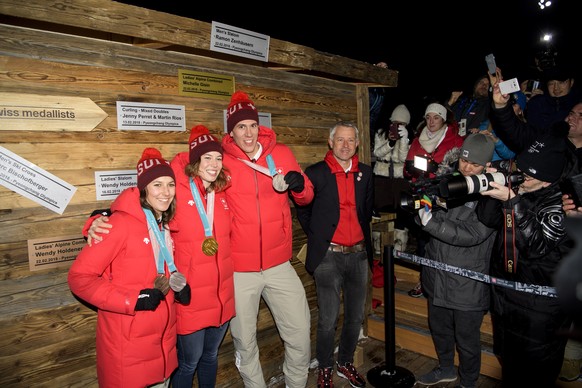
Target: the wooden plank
(128, 20)
(36, 112)
(422, 343)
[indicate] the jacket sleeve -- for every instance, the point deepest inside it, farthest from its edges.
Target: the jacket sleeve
(306, 196)
(516, 134)
(459, 231)
(401, 151)
(381, 146)
(538, 232)
(304, 212)
(87, 280)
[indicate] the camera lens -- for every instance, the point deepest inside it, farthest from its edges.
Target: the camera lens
(409, 201)
(460, 185)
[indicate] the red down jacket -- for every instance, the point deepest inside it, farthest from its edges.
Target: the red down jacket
(210, 277)
(134, 349)
(262, 232)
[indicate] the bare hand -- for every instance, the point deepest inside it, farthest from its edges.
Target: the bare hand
(536, 92)
(569, 207)
(500, 192)
(489, 133)
(500, 100)
(454, 97)
(98, 226)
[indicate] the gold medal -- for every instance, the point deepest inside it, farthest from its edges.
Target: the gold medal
(162, 283)
(210, 246)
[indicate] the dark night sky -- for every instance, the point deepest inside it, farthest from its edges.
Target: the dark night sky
(437, 46)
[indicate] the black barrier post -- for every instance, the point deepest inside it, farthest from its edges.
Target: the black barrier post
(388, 374)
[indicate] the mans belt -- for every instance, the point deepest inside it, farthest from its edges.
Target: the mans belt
(359, 247)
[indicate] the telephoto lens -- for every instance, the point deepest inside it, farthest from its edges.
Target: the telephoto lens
(459, 186)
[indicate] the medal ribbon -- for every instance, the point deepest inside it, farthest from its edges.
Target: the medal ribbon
(205, 215)
(164, 253)
(271, 171)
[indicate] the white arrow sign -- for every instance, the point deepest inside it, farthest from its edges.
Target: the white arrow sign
(37, 112)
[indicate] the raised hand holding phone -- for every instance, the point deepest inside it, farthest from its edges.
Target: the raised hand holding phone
(500, 100)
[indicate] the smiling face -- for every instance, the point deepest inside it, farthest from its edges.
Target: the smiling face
(245, 134)
(558, 88)
(209, 167)
(344, 143)
(160, 193)
(574, 120)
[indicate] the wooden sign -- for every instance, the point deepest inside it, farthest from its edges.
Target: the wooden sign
(36, 112)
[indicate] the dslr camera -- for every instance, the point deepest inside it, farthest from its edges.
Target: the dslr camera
(440, 191)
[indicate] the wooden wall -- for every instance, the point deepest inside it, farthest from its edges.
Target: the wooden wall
(107, 52)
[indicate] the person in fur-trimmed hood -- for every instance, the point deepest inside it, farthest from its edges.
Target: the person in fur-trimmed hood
(438, 138)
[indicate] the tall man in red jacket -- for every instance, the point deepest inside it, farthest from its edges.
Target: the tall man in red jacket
(264, 175)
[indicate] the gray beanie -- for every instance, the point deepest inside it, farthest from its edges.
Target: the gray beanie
(401, 114)
(477, 148)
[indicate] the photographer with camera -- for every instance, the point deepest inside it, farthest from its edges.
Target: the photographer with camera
(457, 304)
(438, 144)
(530, 246)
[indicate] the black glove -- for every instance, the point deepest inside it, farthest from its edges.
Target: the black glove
(183, 297)
(103, 212)
(149, 299)
(295, 181)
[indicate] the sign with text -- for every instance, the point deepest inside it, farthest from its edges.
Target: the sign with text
(150, 117)
(54, 252)
(34, 183)
(204, 85)
(36, 112)
(237, 41)
(109, 184)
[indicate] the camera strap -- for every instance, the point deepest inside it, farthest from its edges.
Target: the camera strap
(509, 251)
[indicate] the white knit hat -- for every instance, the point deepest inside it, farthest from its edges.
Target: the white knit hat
(437, 109)
(400, 114)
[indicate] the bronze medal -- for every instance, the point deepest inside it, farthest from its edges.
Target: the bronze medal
(210, 246)
(162, 283)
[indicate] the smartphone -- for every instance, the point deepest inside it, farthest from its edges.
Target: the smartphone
(393, 131)
(531, 86)
(509, 86)
(491, 66)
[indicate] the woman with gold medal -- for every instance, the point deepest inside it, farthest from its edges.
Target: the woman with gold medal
(201, 233)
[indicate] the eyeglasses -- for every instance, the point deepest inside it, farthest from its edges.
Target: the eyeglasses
(525, 176)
